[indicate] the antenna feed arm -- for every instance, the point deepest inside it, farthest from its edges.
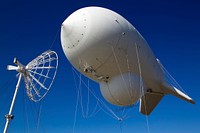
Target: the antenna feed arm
(20, 68)
(17, 62)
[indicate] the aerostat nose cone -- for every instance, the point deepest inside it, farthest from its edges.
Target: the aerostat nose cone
(73, 30)
(67, 28)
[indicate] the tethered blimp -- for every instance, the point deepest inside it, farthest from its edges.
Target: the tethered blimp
(106, 48)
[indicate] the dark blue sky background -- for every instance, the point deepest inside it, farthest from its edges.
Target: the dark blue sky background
(29, 27)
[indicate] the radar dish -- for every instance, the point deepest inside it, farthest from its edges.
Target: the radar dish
(40, 74)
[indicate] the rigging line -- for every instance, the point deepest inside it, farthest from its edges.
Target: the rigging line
(107, 59)
(32, 106)
(78, 95)
(126, 111)
(123, 112)
(35, 117)
(77, 99)
(73, 72)
(130, 84)
(124, 116)
(37, 111)
(127, 60)
(35, 108)
(88, 99)
(81, 97)
(141, 86)
(120, 126)
(38, 118)
(54, 38)
(110, 110)
(34, 111)
(140, 71)
(40, 124)
(75, 113)
(25, 113)
(172, 78)
(95, 111)
(121, 74)
(117, 118)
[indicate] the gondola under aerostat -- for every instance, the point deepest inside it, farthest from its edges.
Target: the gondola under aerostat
(106, 48)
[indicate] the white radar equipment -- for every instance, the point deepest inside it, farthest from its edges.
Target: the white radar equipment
(38, 76)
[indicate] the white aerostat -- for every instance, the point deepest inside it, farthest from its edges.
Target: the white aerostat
(106, 48)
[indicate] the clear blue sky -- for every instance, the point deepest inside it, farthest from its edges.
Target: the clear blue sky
(171, 27)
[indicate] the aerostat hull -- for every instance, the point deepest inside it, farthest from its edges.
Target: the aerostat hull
(106, 48)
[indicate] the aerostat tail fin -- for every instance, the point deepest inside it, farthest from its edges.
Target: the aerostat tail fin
(171, 89)
(148, 102)
(168, 89)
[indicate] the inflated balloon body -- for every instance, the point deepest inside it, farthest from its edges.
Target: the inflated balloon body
(106, 48)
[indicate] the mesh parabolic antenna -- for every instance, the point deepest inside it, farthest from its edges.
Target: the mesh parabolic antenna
(38, 75)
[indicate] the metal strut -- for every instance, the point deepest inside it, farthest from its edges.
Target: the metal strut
(9, 116)
(21, 69)
(90, 69)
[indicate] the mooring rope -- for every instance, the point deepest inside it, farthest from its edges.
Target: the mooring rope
(141, 86)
